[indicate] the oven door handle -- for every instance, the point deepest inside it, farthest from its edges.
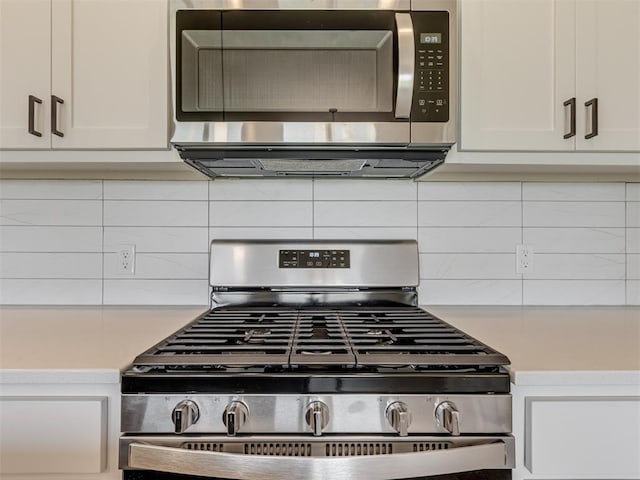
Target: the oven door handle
(406, 65)
(259, 467)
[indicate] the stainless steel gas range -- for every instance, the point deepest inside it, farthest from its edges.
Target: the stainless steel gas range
(315, 362)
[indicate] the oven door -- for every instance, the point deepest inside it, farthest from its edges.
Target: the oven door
(305, 458)
(292, 76)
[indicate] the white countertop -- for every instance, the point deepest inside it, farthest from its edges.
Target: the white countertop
(546, 345)
(81, 344)
(558, 345)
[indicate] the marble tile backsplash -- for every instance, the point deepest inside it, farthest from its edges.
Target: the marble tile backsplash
(59, 240)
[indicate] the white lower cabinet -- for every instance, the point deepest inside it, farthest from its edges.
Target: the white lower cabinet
(583, 437)
(56, 432)
(577, 432)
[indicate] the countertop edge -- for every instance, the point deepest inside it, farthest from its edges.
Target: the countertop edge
(61, 376)
(576, 378)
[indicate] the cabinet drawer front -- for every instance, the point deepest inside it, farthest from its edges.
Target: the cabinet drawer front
(587, 437)
(53, 435)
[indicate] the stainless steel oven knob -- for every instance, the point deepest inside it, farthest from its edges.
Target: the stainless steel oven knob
(185, 414)
(448, 417)
(234, 417)
(399, 417)
(317, 417)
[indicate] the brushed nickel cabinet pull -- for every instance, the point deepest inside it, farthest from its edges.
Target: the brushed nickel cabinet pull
(32, 115)
(593, 103)
(572, 129)
(54, 115)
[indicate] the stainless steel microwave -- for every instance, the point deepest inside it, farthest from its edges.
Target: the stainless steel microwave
(359, 88)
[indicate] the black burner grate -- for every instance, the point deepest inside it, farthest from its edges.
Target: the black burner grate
(307, 337)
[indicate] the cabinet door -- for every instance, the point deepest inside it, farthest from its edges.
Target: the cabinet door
(583, 437)
(517, 70)
(110, 69)
(608, 68)
(48, 435)
(25, 69)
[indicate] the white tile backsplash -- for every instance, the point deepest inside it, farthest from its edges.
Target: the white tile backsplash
(633, 240)
(469, 214)
(156, 292)
(470, 292)
(361, 190)
(163, 266)
(575, 240)
(50, 190)
(633, 292)
(50, 265)
(260, 189)
(50, 292)
(156, 190)
(363, 233)
(633, 266)
(573, 214)
(574, 292)
(574, 192)
(633, 214)
(155, 214)
(51, 212)
(158, 239)
(633, 192)
(577, 266)
(468, 239)
(486, 191)
(260, 214)
(364, 214)
(465, 266)
(260, 233)
(50, 239)
(58, 239)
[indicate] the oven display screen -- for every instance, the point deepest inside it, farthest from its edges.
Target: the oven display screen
(314, 259)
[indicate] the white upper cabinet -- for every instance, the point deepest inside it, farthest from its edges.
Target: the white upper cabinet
(100, 71)
(608, 69)
(517, 70)
(25, 73)
(529, 67)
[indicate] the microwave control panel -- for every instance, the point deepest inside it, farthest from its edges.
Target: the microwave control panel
(431, 86)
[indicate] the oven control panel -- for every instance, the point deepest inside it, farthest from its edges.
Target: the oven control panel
(314, 259)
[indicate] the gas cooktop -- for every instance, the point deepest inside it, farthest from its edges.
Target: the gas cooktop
(291, 338)
(337, 349)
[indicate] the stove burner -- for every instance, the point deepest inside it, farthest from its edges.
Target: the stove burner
(256, 335)
(238, 336)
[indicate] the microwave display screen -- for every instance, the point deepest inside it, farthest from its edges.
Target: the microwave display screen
(431, 38)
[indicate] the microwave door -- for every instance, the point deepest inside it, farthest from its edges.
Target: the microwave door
(298, 77)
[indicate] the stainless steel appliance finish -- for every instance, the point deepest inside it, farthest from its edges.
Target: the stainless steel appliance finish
(355, 414)
(315, 362)
(289, 99)
(478, 454)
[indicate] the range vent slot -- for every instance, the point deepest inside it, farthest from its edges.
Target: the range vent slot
(357, 449)
(278, 449)
(422, 447)
(205, 446)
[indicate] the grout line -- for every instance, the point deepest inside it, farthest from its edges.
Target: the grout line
(626, 254)
(521, 239)
(103, 248)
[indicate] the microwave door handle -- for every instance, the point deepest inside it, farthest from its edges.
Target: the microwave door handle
(406, 65)
(374, 467)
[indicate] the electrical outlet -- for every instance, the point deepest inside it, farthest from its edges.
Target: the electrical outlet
(126, 259)
(524, 258)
